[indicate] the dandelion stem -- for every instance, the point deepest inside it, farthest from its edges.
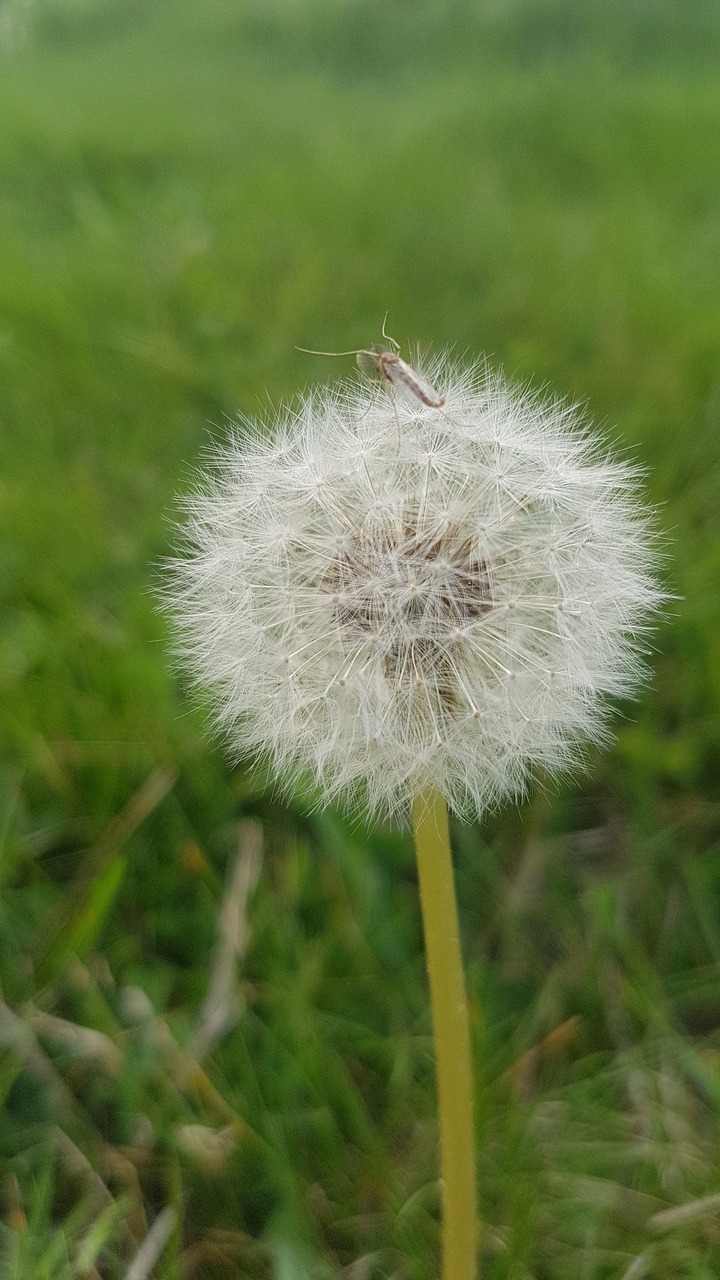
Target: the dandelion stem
(451, 1034)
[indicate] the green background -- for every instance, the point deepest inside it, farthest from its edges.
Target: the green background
(187, 192)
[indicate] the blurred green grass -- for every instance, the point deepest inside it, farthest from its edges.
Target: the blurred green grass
(186, 193)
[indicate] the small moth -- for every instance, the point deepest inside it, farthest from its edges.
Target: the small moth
(390, 367)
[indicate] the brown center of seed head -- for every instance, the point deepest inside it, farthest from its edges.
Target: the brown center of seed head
(411, 594)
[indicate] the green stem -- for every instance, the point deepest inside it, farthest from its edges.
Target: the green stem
(451, 1034)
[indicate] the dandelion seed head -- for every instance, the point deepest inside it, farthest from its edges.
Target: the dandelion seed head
(381, 596)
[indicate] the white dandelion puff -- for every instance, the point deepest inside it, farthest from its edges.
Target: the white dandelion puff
(382, 596)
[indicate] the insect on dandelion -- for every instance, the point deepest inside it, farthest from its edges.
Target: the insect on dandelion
(389, 366)
(419, 617)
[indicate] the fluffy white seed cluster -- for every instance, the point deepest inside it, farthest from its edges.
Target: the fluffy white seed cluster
(383, 596)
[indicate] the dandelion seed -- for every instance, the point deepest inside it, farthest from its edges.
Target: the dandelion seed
(449, 606)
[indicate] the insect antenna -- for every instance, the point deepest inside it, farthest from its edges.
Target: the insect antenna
(393, 341)
(358, 351)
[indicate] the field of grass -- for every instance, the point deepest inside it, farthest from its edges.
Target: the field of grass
(187, 192)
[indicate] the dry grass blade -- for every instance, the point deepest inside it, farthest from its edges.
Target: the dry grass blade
(15, 1217)
(522, 1072)
(683, 1213)
(222, 1006)
(85, 1042)
(153, 1245)
(78, 1165)
(121, 827)
(182, 1067)
(637, 1268)
(15, 1034)
(53, 942)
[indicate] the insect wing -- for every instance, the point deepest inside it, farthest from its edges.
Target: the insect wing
(369, 363)
(402, 374)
